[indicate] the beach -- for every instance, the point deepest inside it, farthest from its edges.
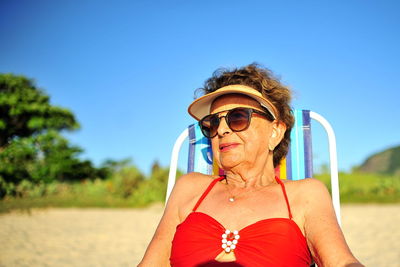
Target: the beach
(119, 237)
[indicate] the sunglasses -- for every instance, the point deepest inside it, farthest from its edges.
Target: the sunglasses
(238, 119)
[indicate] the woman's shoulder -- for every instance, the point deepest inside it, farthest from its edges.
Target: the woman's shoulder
(306, 196)
(187, 190)
(192, 184)
(309, 189)
(194, 178)
(313, 187)
(307, 185)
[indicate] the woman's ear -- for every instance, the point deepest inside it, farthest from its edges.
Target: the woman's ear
(278, 131)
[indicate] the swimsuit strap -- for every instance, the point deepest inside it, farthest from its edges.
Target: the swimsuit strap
(210, 186)
(284, 193)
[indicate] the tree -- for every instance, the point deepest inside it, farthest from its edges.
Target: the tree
(25, 110)
(155, 167)
(31, 147)
(57, 160)
(43, 158)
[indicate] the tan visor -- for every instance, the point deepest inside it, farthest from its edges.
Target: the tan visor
(201, 106)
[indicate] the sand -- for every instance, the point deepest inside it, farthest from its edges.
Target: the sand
(118, 237)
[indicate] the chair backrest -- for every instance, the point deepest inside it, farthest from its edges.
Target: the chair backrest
(297, 164)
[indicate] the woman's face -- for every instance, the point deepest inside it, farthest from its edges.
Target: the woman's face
(246, 148)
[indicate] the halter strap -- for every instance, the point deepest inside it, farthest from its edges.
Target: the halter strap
(210, 186)
(284, 194)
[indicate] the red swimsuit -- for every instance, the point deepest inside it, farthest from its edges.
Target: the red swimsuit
(199, 238)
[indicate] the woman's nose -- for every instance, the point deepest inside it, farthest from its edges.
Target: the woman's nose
(223, 127)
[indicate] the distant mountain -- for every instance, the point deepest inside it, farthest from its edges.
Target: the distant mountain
(385, 162)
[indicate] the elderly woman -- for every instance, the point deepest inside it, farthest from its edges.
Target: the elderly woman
(247, 217)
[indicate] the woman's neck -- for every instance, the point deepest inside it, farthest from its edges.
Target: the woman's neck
(240, 176)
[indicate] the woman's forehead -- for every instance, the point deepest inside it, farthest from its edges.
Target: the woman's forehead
(230, 101)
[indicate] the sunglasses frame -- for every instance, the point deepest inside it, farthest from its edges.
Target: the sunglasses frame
(206, 130)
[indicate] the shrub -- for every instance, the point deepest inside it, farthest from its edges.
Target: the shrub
(360, 187)
(125, 181)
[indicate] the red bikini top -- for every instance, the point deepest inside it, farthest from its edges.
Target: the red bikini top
(199, 239)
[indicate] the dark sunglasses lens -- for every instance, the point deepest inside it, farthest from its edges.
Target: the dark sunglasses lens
(209, 125)
(239, 119)
(214, 123)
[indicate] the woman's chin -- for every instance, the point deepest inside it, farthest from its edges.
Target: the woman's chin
(229, 163)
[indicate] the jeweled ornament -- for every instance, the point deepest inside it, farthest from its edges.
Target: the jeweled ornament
(230, 240)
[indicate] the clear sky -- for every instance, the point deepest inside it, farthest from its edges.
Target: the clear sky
(128, 69)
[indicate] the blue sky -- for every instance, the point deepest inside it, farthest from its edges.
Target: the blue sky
(128, 69)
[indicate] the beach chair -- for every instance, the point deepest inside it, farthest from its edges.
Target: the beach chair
(298, 164)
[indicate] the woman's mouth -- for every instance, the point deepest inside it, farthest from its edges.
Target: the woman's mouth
(227, 146)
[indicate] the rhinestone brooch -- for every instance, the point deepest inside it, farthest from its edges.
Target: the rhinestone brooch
(230, 240)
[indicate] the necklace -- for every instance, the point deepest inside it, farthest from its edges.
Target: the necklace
(232, 197)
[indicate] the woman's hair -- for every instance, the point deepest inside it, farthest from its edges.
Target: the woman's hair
(262, 80)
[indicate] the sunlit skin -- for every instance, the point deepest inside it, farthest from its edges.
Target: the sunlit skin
(247, 158)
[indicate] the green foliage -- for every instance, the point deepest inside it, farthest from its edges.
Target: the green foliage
(366, 188)
(29, 189)
(152, 189)
(25, 110)
(32, 151)
(125, 181)
(58, 160)
(42, 158)
(110, 166)
(126, 187)
(16, 160)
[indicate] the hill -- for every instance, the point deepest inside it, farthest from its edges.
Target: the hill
(385, 162)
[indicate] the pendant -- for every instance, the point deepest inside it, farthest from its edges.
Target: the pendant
(232, 199)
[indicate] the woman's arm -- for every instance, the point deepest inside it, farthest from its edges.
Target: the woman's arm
(159, 249)
(324, 236)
